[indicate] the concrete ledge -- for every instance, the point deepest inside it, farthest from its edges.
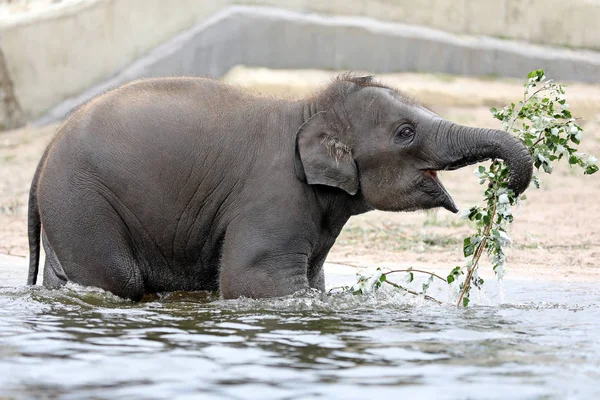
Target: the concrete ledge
(275, 38)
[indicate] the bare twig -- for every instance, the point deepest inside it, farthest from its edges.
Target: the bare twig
(416, 270)
(427, 297)
(391, 272)
(480, 249)
(546, 86)
(537, 141)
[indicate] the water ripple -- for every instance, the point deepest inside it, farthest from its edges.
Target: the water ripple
(83, 343)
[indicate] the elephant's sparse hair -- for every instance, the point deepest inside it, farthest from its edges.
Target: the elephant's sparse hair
(336, 148)
(347, 83)
(331, 100)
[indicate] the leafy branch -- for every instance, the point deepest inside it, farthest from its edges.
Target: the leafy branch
(544, 123)
(368, 284)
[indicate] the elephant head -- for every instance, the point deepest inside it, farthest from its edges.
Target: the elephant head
(372, 141)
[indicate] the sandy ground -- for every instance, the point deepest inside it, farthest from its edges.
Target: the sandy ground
(556, 234)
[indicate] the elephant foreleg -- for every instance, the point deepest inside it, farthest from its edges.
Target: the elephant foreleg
(255, 264)
(317, 280)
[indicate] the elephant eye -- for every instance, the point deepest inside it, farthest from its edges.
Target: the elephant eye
(404, 134)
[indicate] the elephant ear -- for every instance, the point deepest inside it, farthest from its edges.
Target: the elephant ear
(322, 159)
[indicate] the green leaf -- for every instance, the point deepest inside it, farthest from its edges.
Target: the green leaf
(456, 271)
(574, 139)
(468, 251)
(573, 159)
(465, 301)
(536, 76)
(591, 169)
(427, 284)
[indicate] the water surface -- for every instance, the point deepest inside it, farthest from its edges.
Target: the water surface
(542, 341)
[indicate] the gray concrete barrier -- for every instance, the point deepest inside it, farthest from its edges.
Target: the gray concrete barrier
(276, 38)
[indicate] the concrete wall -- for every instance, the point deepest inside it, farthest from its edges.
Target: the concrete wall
(570, 23)
(276, 38)
(58, 54)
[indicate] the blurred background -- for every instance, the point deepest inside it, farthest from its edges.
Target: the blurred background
(57, 53)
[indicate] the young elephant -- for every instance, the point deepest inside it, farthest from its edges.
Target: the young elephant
(189, 184)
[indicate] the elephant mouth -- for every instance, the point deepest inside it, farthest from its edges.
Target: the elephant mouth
(445, 199)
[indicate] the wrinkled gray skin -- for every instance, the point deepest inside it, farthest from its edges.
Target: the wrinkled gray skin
(188, 184)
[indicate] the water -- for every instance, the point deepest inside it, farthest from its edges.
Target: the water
(542, 342)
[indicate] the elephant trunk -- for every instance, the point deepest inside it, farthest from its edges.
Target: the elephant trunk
(466, 145)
